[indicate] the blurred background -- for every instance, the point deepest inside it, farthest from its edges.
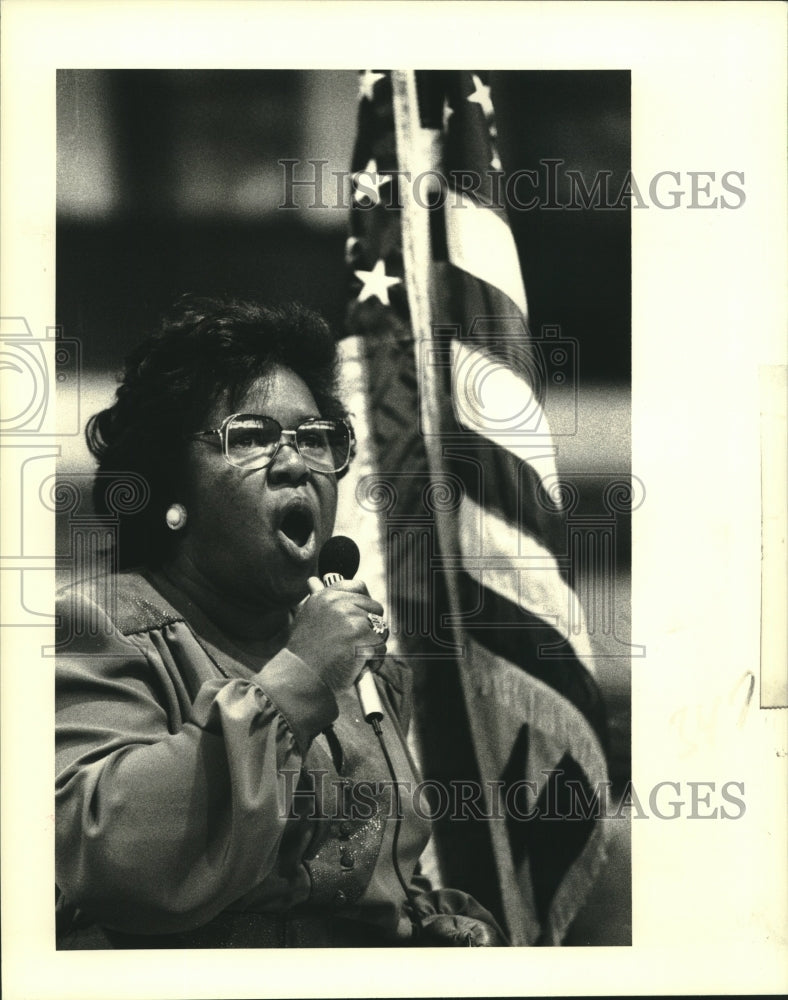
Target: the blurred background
(170, 181)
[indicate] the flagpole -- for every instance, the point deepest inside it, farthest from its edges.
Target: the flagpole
(418, 154)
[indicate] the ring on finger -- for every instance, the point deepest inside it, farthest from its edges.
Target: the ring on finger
(377, 623)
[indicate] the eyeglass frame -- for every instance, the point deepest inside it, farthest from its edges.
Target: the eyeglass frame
(284, 434)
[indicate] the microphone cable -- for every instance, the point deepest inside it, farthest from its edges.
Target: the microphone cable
(339, 559)
(374, 721)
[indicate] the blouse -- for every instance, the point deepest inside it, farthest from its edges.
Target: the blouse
(205, 798)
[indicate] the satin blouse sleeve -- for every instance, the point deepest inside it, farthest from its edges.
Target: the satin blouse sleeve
(170, 808)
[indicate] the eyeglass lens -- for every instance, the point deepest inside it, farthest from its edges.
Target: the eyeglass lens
(323, 444)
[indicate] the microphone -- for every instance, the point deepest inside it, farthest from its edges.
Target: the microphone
(338, 560)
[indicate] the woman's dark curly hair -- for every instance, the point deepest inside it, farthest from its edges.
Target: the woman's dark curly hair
(204, 348)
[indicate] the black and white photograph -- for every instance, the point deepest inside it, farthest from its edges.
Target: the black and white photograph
(395, 518)
(478, 546)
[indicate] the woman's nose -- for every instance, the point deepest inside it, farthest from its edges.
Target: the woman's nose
(287, 462)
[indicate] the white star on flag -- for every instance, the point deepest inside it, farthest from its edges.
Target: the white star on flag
(373, 180)
(366, 83)
(481, 96)
(377, 283)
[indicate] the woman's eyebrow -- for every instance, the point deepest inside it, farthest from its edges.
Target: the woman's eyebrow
(297, 419)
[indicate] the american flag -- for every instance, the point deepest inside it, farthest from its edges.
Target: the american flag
(457, 479)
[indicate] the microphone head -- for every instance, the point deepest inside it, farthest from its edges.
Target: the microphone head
(339, 555)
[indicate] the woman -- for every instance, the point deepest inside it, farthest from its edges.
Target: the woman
(217, 785)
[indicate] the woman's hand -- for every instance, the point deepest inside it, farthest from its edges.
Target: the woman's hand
(442, 930)
(332, 632)
(451, 918)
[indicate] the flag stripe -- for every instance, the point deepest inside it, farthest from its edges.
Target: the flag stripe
(494, 400)
(510, 631)
(481, 467)
(480, 242)
(518, 568)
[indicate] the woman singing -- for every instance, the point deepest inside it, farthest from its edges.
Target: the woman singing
(217, 784)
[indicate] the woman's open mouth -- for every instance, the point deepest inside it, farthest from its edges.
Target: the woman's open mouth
(296, 532)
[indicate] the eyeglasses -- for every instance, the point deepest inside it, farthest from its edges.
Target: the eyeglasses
(250, 441)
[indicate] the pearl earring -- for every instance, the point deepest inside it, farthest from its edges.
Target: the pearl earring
(176, 517)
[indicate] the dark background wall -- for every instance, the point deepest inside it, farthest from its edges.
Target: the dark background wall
(186, 190)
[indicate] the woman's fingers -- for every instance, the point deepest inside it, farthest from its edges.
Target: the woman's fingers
(337, 626)
(361, 597)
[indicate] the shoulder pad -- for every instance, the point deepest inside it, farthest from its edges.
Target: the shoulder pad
(129, 601)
